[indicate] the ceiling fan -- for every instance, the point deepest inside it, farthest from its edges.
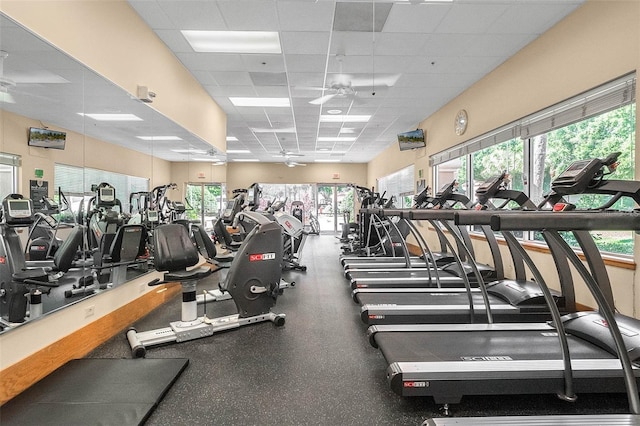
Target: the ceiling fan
(288, 154)
(290, 163)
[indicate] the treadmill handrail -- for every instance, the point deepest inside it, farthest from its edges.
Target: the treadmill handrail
(584, 219)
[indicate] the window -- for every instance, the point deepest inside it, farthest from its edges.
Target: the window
(76, 183)
(399, 185)
(9, 164)
(535, 149)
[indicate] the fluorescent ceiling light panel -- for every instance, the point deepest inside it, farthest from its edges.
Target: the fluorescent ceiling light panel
(344, 118)
(112, 117)
(336, 139)
(159, 138)
(246, 160)
(347, 130)
(190, 151)
(6, 98)
(211, 160)
(260, 102)
(233, 41)
(238, 151)
(274, 130)
(231, 139)
(327, 161)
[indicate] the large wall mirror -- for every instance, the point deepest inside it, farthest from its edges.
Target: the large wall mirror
(107, 132)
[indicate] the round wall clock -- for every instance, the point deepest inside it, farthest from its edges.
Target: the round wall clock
(461, 122)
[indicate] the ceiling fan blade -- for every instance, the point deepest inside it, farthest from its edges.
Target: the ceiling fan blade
(322, 99)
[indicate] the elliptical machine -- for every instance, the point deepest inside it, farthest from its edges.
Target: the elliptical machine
(253, 282)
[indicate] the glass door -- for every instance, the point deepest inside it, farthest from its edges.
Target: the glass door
(335, 206)
(205, 201)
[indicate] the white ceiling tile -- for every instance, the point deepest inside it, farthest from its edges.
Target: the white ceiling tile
(471, 18)
(305, 63)
(411, 17)
(305, 16)
(262, 63)
(181, 13)
(228, 78)
(175, 41)
(304, 42)
(530, 18)
(152, 13)
(250, 15)
(211, 61)
(399, 44)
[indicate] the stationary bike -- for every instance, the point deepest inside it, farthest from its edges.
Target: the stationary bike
(253, 282)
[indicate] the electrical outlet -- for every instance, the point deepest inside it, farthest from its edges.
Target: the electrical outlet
(89, 311)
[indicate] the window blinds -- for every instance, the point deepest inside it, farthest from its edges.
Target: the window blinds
(395, 184)
(604, 98)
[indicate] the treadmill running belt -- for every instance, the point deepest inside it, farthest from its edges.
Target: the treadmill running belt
(516, 345)
(95, 391)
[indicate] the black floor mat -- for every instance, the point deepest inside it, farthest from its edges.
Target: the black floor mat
(95, 391)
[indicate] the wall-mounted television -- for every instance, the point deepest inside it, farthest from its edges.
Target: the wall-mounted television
(46, 138)
(411, 140)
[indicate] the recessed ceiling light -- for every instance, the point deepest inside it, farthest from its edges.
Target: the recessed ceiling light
(347, 130)
(324, 149)
(233, 41)
(159, 138)
(328, 160)
(334, 111)
(336, 139)
(274, 130)
(246, 160)
(112, 117)
(232, 139)
(344, 118)
(238, 151)
(260, 102)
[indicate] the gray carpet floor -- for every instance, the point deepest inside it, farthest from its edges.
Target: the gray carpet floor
(318, 369)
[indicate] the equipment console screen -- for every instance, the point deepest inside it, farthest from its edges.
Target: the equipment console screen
(19, 208)
(107, 195)
(574, 169)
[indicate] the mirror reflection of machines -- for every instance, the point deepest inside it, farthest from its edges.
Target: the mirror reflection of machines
(21, 289)
(253, 282)
(114, 245)
(222, 235)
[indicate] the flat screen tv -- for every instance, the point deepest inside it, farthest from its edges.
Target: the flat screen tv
(411, 140)
(46, 138)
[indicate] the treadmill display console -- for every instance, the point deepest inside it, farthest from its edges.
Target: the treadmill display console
(577, 177)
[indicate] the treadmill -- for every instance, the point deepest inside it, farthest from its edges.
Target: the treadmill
(421, 201)
(519, 299)
(450, 275)
(579, 354)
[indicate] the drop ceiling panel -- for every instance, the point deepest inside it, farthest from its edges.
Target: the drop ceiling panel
(228, 78)
(305, 42)
(527, 18)
(399, 44)
(180, 13)
(250, 15)
(305, 63)
(305, 16)
(471, 18)
(211, 61)
(411, 18)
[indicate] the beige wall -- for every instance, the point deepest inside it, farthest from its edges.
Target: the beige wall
(241, 175)
(110, 38)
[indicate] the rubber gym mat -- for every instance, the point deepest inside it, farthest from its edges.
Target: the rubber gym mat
(95, 392)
